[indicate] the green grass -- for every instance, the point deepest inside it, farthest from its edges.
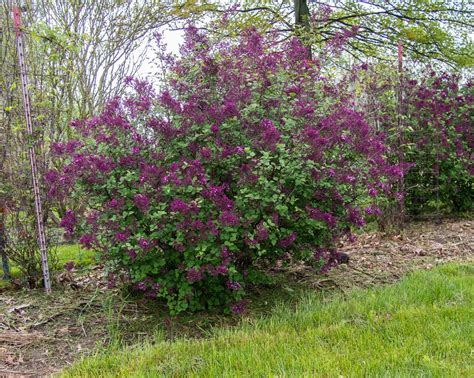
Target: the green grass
(74, 252)
(64, 253)
(422, 326)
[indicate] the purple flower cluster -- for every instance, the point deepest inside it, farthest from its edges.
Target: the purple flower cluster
(288, 240)
(270, 134)
(87, 241)
(261, 232)
(142, 202)
(229, 218)
(194, 275)
(132, 254)
(67, 148)
(373, 210)
(144, 244)
(68, 222)
(122, 236)
(328, 256)
(318, 214)
(116, 203)
(233, 285)
(179, 206)
(355, 217)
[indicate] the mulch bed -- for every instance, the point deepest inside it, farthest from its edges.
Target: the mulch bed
(376, 259)
(40, 335)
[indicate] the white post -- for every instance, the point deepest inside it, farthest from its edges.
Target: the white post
(31, 149)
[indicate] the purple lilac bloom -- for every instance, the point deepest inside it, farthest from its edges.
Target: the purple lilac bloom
(229, 109)
(179, 206)
(215, 128)
(270, 134)
(194, 275)
(144, 243)
(262, 233)
(132, 254)
(318, 214)
(373, 210)
(293, 88)
(213, 230)
(229, 218)
(373, 192)
(167, 100)
(225, 253)
(198, 225)
(289, 240)
(68, 222)
(121, 236)
(87, 240)
(222, 270)
(57, 148)
(115, 203)
(211, 270)
(51, 177)
(329, 256)
(205, 152)
(142, 202)
(92, 217)
(355, 217)
(233, 285)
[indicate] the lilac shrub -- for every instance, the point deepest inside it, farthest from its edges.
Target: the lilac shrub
(249, 155)
(440, 143)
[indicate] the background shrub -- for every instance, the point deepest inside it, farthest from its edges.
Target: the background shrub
(440, 143)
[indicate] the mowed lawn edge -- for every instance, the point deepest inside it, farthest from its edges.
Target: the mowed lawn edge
(421, 326)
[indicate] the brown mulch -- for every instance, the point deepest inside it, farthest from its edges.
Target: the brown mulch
(39, 334)
(380, 259)
(42, 334)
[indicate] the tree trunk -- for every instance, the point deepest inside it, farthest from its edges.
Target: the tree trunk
(302, 17)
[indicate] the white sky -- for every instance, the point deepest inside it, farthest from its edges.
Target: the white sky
(173, 39)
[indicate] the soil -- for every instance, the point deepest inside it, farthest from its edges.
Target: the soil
(40, 334)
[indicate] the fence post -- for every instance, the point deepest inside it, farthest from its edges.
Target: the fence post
(401, 140)
(31, 148)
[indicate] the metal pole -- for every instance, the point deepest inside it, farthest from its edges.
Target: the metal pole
(31, 149)
(401, 157)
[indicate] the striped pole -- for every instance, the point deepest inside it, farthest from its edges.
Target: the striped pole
(31, 149)
(401, 140)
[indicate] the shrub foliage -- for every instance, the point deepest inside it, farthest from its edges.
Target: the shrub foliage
(248, 156)
(440, 144)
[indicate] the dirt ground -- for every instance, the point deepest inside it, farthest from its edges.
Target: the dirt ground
(40, 335)
(377, 259)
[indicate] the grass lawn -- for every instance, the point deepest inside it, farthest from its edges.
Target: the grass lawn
(64, 253)
(421, 326)
(73, 252)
